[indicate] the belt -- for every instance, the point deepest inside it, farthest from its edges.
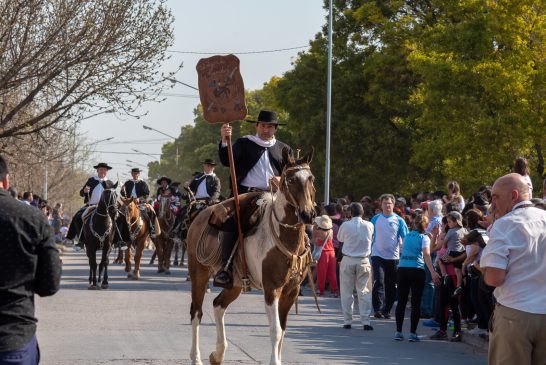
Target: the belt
(357, 257)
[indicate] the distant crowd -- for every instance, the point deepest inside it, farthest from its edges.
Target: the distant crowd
(58, 220)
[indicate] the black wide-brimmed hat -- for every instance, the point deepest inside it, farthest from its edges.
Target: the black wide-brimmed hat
(102, 164)
(136, 169)
(266, 117)
(163, 178)
(209, 161)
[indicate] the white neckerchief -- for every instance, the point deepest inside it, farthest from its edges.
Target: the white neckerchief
(261, 142)
(97, 191)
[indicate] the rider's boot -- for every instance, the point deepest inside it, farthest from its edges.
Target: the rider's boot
(224, 277)
(151, 216)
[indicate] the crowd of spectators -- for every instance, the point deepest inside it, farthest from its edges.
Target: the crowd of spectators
(426, 247)
(57, 219)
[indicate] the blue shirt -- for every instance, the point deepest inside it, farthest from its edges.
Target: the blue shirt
(388, 230)
(412, 250)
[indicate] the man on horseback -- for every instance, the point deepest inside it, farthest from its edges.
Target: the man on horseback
(138, 189)
(205, 186)
(91, 193)
(259, 162)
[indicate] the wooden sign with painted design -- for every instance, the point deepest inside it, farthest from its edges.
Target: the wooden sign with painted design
(221, 89)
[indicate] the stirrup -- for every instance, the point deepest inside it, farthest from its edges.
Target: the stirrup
(227, 284)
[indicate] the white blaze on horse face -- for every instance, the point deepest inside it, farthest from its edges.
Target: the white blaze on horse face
(275, 330)
(303, 176)
(195, 354)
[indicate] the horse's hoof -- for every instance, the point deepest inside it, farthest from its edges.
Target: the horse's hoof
(92, 287)
(212, 360)
(130, 275)
(182, 264)
(159, 271)
(167, 272)
(104, 286)
(188, 278)
(175, 263)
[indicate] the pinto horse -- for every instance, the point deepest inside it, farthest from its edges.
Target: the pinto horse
(163, 242)
(139, 229)
(276, 251)
(98, 233)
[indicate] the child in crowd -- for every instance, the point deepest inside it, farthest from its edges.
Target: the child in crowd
(454, 195)
(455, 250)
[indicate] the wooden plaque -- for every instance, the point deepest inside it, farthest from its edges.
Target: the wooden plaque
(221, 89)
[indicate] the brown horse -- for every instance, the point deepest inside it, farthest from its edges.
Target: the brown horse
(139, 229)
(163, 242)
(276, 252)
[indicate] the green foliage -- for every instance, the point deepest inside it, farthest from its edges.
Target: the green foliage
(424, 91)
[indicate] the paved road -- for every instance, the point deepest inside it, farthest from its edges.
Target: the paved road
(147, 322)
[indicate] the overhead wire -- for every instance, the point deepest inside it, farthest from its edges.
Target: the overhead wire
(241, 52)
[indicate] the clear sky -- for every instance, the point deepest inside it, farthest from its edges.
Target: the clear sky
(208, 26)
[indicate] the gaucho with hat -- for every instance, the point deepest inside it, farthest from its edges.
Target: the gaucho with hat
(163, 183)
(136, 187)
(204, 186)
(259, 162)
(91, 193)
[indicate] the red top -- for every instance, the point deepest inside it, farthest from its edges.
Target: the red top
(328, 247)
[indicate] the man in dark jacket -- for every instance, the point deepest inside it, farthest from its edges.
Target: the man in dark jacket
(29, 263)
(138, 189)
(91, 193)
(204, 186)
(259, 162)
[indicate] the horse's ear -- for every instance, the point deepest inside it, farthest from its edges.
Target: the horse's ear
(115, 185)
(309, 156)
(287, 156)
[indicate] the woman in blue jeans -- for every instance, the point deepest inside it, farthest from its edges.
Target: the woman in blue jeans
(411, 276)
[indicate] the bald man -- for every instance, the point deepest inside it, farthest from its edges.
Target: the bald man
(514, 261)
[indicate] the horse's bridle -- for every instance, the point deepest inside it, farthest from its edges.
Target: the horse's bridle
(110, 203)
(289, 196)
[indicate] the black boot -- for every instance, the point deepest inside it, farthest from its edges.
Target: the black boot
(223, 278)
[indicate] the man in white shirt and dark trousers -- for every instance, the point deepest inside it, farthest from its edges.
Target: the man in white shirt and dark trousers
(389, 232)
(514, 262)
(259, 163)
(356, 235)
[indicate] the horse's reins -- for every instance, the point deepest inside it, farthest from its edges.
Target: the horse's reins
(109, 225)
(297, 262)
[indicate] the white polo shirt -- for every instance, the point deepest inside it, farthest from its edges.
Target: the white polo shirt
(356, 236)
(517, 244)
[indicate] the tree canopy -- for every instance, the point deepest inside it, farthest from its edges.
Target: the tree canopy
(424, 92)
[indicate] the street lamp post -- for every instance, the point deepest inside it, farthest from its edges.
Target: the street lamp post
(165, 134)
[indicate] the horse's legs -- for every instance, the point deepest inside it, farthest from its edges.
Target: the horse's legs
(220, 304)
(104, 265)
(159, 249)
(200, 274)
(139, 249)
(167, 251)
(184, 245)
(288, 297)
(176, 248)
(128, 258)
(275, 331)
(92, 256)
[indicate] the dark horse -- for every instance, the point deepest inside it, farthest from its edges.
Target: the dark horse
(98, 233)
